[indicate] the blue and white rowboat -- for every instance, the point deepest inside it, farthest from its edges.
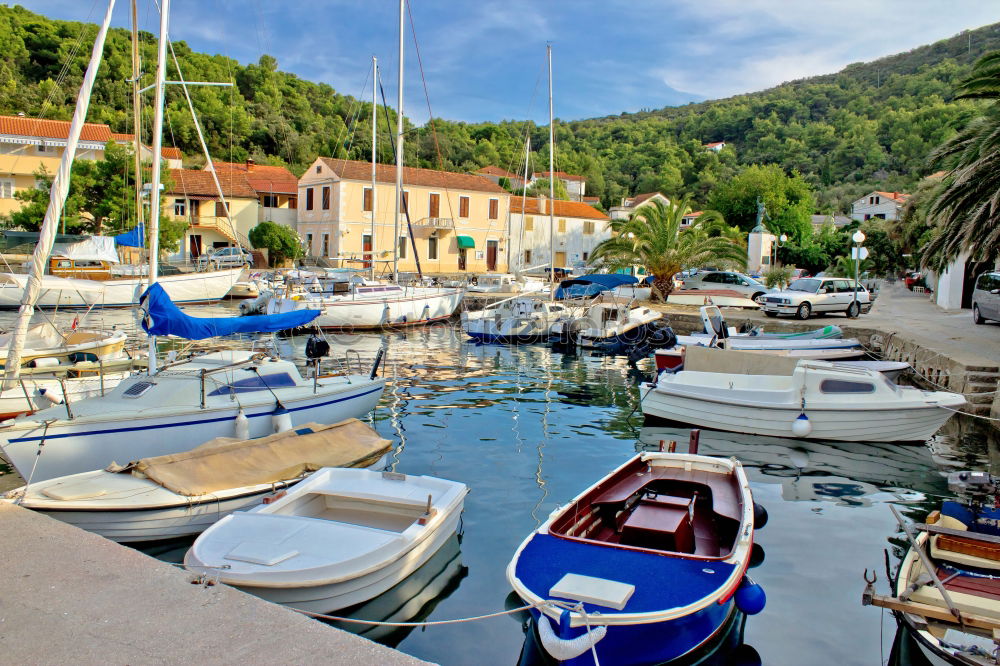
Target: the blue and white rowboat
(646, 565)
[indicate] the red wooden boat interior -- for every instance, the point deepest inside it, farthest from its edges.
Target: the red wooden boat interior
(665, 509)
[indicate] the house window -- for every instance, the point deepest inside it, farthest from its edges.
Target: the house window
(41, 148)
(366, 205)
(529, 223)
(194, 209)
(463, 206)
(180, 210)
(434, 205)
(494, 209)
(432, 248)
(326, 245)
(878, 200)
(309, 197)
(527, 256)
(293, 203)
(867, 216)
(220, 209)
(562, 225)
(319, 169)
(586, 256)
(588, 229)
(402, 247)
(326, 198)
(309, 244)
(269, 201)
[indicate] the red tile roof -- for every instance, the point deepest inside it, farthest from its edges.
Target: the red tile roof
(714, 144)
(591, 200)
(641, 198)
(533, 206)
(385, 173)
(497, 171)
(895, 196)
(200, 183)
(171, 153)
(562, 175)
(263, 178)
(118, 136)
(51, 129)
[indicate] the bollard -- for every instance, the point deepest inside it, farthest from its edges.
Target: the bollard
(693, 442)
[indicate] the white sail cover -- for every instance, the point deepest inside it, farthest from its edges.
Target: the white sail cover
(95, 248)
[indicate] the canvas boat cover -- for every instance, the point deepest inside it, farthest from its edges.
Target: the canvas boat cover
(162, 317)
(226, 462)
(705, 359)
(590, 285)
(134, 238)
(95, 248)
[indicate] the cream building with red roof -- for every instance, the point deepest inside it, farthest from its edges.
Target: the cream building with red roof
(577, 228)
(883, 205)
(576, 186)
(459, 220)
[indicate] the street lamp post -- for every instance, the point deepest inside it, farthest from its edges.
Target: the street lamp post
(858, 238)
(778, 242)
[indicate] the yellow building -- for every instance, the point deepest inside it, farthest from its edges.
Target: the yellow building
(195, 199)
(460, 221)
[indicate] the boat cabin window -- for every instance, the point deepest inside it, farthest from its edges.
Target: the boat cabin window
(64, 263)
(844, 386)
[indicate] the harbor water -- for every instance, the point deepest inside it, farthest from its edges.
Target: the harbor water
(527, 428)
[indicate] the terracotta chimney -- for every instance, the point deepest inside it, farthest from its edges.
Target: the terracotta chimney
(250, 164)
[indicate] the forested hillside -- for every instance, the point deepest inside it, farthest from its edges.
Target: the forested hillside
(870, 125)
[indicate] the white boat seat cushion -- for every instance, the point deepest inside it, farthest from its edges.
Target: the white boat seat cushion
(261, 552)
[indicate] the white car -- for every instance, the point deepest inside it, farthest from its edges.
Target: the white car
(226, 257)
(730, 280)
(806, 296)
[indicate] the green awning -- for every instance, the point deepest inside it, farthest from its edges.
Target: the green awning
(466, 242)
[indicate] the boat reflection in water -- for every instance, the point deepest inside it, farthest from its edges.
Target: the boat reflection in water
(411, 600)
(846, 473)
(728, 649)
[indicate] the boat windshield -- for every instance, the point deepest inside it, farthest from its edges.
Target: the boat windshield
(805, 284)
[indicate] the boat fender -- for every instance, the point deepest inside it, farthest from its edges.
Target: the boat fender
(281, 419)
(44, 398)
(565, 649)
(801, 426)
(750, 597)
(242, 425)
(757, 556)
(759, 516)
(44, 362)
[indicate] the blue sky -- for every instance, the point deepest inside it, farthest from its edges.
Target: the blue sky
(485, 61)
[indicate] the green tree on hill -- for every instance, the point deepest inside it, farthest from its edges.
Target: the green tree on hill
(788, 201)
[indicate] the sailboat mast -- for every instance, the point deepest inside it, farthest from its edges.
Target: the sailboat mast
(371, 242)
(137, 116)
(524, 201)
(399, 151)
(154, 194)
(552, 179)
(57, 200)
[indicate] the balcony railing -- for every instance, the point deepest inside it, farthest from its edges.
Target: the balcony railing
(435, 223)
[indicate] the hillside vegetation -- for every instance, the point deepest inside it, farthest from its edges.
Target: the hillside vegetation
(870, 125)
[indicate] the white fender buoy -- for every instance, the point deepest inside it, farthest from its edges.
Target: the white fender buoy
(45, 398)
(801, 426)
(242, 425)
(565, 649)
(281, 419)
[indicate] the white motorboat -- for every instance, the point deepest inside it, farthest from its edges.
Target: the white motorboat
(521, 319)
(47, 341)
(339, 538)
(673, 359)
(182, 494)
(716, 326)
(494, 283)
(780, 397)
(608, 324)
(355, 304)
(180, 406)
(202, 287)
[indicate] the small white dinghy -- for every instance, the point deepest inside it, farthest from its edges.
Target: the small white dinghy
(339, 538)
(182, 494)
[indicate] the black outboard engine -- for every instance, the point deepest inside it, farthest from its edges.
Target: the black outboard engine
(662, 336)
(316, 347)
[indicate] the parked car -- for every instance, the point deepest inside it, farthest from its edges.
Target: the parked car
(799, 273)
(914, 279)
(226, 257)
(806, 296)
(986, 297)
(730, 280)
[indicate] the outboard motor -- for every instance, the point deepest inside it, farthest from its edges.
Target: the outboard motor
(316, 347)
(663, 336)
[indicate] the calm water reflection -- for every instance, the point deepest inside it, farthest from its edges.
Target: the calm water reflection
(528, 428)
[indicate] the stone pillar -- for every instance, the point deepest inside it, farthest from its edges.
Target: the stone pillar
(759, 247)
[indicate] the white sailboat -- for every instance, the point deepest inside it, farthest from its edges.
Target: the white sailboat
(355, 304)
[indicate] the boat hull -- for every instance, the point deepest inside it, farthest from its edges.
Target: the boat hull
(343, 594)
(14, 402)
(892, 424)
(416, 306)
(72, 446)
(205, 287)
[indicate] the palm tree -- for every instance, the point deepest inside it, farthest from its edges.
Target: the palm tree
(654, 239)
(964, 209)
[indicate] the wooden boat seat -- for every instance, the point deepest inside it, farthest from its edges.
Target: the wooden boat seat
(661, 525)
(724, 494)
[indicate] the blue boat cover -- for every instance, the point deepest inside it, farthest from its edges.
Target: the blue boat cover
(661, 581)
(162, 317)
(134, 238)
(984, 521)
(589, 285)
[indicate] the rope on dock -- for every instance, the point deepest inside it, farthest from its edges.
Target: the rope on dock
(975, 416)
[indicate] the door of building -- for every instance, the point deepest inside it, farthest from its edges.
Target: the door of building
(194, 246)
(366, 250)
(560, 260)
(492, 249)
(461, 258)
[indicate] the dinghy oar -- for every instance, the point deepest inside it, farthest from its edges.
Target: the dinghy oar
(928, 565)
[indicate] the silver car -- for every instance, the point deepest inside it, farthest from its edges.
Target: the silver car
(730, 280)
(805, 296)
(986, 297)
